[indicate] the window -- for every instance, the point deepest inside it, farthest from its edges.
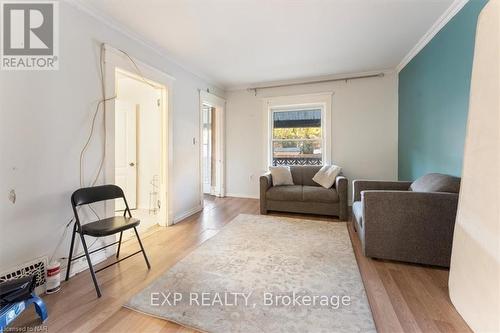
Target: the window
(297, 136)
(298, 129)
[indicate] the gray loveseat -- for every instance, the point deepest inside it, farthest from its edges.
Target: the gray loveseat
(407, 221)
(305, 196)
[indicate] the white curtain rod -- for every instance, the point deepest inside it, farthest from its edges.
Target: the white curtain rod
(255, 89)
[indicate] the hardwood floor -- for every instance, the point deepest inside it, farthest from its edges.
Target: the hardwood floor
(403, 297)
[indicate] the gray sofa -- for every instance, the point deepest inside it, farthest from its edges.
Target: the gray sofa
(305, 196)
(407, 221)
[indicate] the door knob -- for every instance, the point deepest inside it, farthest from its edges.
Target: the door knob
(131, 164)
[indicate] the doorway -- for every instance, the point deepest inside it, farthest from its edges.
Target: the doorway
(138, 147)
(212, 145)
(208, 153)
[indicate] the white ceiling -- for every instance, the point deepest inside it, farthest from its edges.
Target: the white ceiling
(244, 42)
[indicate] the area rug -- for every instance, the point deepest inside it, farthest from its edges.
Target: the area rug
(264, 274)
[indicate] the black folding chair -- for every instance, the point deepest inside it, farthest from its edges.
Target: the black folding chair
(101, 228)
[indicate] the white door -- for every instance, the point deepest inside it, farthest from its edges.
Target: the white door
(126, 152)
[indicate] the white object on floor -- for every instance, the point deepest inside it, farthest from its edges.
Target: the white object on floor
(53, 277)
(475, 260)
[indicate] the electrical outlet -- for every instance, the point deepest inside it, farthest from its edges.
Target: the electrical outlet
(12, 196)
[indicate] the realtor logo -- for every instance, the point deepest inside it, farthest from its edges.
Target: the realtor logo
(29, 35)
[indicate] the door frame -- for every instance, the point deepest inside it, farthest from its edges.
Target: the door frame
(115, 60)
(219, 104)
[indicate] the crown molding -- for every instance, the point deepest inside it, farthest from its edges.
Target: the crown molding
(85, 7)
(435, 28)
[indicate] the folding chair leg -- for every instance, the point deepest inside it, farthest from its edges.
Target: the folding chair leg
(119, 245)
(70, 252)
(142, 248)
(98, 291)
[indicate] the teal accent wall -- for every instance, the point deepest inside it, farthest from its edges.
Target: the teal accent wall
(434, 99)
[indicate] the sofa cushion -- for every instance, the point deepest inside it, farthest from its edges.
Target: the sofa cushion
(308, 172)
(303, 174)
(285, 193)
(357, 210)
(319, 194)
(296, 174)
(436, 182)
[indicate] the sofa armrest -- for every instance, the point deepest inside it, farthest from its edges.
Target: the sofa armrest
(266, 182)
(409, 226)
(341, 186)
(364, 185)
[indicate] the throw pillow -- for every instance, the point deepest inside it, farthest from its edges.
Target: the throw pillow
(326, 175)
(281, 175)
(436, 182)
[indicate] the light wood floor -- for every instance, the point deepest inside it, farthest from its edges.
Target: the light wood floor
(403, 298)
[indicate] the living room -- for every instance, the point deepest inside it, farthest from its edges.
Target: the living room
(319, 166)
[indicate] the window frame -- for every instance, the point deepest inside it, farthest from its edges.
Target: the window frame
(321, 101)
(273, 110)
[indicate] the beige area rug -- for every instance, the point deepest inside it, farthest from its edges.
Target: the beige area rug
(264, 274)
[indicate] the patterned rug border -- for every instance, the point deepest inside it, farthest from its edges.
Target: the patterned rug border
(126, 306)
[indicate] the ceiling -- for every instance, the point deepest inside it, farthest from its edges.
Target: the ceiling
(238, 43)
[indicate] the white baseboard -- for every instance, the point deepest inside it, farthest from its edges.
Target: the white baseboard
(81, 265)
(241, 195)
(188, 213)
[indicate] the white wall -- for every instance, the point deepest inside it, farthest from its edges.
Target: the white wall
(148, 133)
(364, 131)
(44, 121)
(475, 260)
